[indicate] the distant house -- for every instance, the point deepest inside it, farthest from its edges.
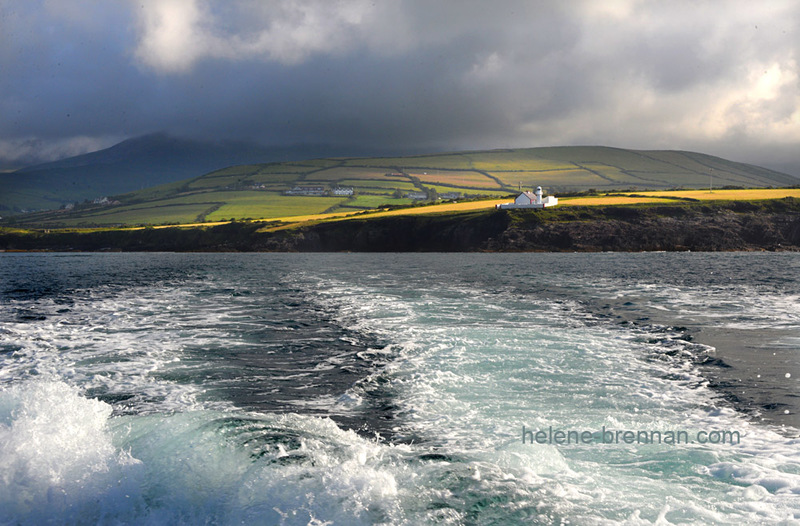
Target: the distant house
(417, 196)
(342, 191)
(307, 190)
(530, 200)
(450, 195)
(104, 201)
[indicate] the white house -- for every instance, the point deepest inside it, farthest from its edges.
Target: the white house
(530, 200)
(525, 198)
(306, 190)
(344, 191)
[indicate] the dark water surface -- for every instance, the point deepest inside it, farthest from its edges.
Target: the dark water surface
(391, 388)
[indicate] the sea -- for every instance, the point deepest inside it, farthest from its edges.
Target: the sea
(400, 389)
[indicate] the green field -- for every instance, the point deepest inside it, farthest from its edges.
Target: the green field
(256, 190)
(467, 192)
(265, 205)
(210, 206)
(172, 213)
(339, 173)
(370, 186)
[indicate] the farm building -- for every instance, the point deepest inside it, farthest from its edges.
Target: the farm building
(530, 200)
(306, 190)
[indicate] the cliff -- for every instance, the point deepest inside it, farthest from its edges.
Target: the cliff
(765, 225)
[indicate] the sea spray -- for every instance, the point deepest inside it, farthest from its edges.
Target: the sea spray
(59, 462)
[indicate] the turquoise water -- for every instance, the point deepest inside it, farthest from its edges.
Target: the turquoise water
(393, 389)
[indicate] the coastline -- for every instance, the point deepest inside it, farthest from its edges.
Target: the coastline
(772, 225)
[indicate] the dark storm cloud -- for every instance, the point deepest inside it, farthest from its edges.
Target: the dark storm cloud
(711, 76)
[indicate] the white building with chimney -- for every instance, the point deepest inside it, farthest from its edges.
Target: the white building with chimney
(530, 200)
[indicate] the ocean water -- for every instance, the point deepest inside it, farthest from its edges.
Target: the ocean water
(399, 389)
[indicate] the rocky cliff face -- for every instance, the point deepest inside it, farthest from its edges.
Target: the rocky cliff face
(451, 233)
(770, 225)
(718, 232)
(720, 227)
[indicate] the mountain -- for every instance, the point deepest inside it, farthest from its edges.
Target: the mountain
(134, 164)
(342, 184)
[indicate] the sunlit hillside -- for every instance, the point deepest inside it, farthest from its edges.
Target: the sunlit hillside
(272, 190)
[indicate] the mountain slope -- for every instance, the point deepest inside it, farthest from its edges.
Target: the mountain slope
(134, 164)
(264, 190)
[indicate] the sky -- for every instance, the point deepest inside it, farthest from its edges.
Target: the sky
(719, 77)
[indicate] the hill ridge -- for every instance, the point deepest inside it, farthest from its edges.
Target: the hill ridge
(134, 164)
(314, 185)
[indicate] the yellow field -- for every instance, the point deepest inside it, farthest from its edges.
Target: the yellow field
(601, 200)
(733, 195)
(293, 221)
(452, 178)
(447, 207)
(490, 203)
(314, 217)
(610, 200)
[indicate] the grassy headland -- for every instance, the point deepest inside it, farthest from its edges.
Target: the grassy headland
(768, 224)
(259, 192)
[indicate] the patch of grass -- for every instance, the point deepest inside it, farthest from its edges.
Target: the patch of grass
(232, 171)
(340, 173)
(445, 161)
(287, 179)
(575, 178)
(29, 199)
(386, 185)
(518, 160)
(216, 182)
(468, 191)
(313, 164)
(457, 178)
(156, 192)
(264, 205)
(164, 214)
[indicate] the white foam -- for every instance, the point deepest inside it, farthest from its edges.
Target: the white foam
(469, 368)
(120, 344)
(66, 461)
(58, 458)
(467, 382)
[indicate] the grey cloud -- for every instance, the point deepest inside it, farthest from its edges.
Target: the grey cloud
(414, 74)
